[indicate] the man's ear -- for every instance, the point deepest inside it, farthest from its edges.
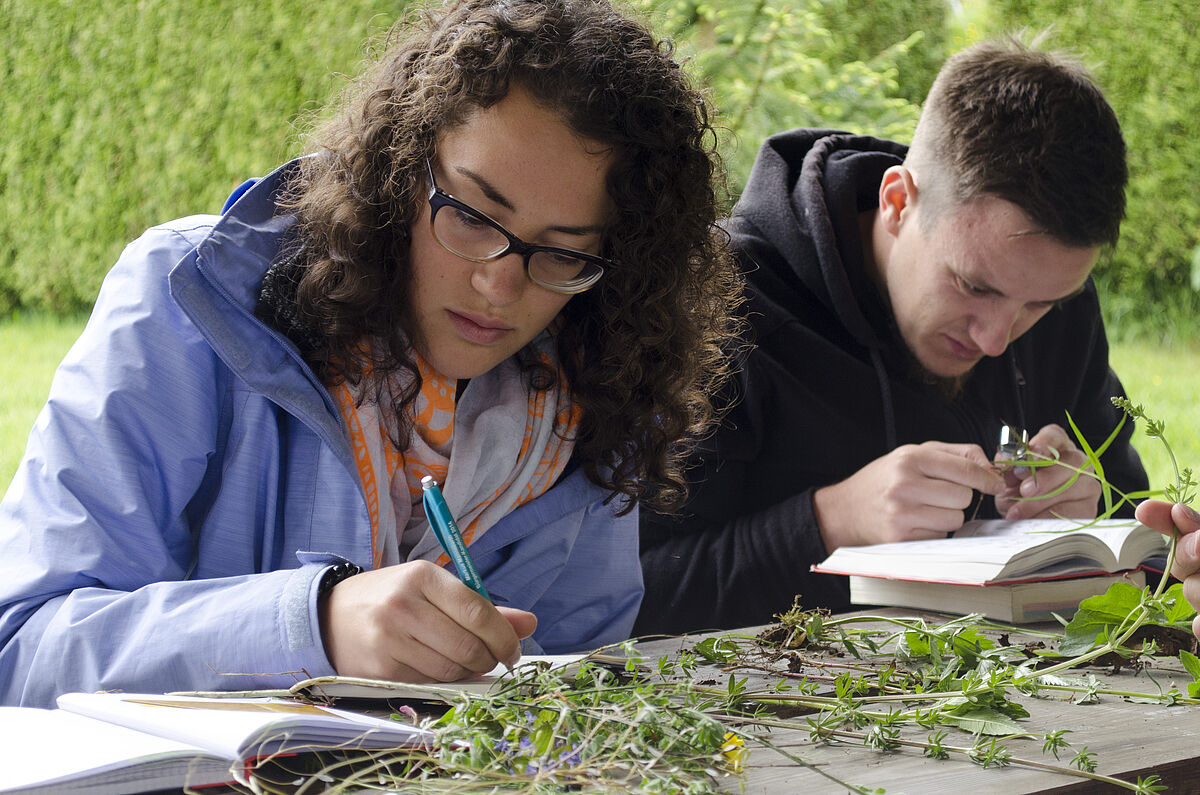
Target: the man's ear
(897, 198)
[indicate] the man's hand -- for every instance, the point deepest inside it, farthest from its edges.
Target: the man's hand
(1166, 519)
(416, 622)
(1078, 502)
(914, 492)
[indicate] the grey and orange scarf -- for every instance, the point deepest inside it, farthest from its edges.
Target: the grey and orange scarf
(496, 447)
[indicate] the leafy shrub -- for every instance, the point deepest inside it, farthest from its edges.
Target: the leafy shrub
(771, 66)
(1146, 56)
(118, 116)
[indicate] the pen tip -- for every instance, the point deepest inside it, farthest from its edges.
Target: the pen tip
(428, 483)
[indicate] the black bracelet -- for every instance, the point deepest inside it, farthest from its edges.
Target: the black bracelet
(333, 576)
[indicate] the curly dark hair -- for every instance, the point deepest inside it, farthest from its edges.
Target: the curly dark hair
(643, 350)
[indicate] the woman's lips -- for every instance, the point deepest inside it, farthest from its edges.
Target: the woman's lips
(479, 330)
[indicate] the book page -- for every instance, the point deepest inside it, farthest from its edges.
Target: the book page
(985, 551)
(55, 747)
(352, 687)
(1122, 543)
(1018, 603)
(242, 728)
(335, 687)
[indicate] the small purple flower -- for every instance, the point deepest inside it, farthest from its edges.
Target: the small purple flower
(569, 756)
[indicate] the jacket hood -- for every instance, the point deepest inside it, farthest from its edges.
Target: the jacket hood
(248, 236)
(217, 284)
(804, 195)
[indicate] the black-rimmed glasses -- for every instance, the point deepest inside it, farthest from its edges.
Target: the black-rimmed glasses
(472, 235)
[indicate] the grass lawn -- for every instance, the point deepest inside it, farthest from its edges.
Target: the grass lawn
(1165, 380)
(31, 346)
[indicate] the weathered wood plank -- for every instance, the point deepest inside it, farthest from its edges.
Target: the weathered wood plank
(1128, 739)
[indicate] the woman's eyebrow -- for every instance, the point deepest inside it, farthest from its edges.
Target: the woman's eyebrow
(493, 193)
(489, 190)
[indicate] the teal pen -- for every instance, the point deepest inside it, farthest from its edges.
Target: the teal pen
(438, 513)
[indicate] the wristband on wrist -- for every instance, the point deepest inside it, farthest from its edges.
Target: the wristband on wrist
(334, 575)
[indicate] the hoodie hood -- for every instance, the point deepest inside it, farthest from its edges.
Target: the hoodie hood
(804, 196)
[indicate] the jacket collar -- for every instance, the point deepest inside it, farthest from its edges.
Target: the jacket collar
(217, 284)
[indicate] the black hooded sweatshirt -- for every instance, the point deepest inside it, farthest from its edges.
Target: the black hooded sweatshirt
(829, 386)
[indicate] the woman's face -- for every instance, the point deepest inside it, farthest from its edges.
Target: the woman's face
(521, 165)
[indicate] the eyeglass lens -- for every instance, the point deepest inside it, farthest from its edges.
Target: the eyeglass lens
(469, 236)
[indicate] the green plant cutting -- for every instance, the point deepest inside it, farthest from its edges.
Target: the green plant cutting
(881, 681)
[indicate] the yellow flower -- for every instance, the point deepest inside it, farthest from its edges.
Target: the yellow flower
(735, 752)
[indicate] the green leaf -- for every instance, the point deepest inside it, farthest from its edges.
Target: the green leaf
(982, 720)
(912, 646)
(969, 643)
(1093, 457)
(1096, 615)
(1097, 467)
(718, 650)
(1179, 612)
(1191, 663)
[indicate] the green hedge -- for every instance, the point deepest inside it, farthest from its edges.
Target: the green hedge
(118, 116)
(858, 65)
(1146, 55)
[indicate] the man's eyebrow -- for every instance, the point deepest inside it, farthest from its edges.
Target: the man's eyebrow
(984, 285)
(1074, 293)
(491, 192)
(979, 283)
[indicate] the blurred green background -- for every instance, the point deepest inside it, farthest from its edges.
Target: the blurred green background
(117, 116)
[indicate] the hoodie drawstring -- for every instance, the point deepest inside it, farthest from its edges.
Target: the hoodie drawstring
(885, 394)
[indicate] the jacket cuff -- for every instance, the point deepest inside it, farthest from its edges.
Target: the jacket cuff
(298, 612)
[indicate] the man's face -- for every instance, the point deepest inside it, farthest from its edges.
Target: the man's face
(980, 278)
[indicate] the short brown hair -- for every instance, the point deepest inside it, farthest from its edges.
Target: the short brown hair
(1030, 127)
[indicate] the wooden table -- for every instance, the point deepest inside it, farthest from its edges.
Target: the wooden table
(1128, 739)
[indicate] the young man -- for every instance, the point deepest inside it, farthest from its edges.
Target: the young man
(905, 305)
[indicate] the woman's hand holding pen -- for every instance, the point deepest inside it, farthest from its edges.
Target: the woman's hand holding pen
(417, 622)
(917, 491)
(1078, 502)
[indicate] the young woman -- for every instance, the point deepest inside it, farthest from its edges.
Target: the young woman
(499, 267)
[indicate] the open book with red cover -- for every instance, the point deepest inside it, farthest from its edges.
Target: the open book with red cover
(1011, 571)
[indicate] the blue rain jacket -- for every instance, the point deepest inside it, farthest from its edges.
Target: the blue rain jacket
(189, 480)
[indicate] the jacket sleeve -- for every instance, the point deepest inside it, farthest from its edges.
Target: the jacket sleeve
(574, 566)
(96, 539)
